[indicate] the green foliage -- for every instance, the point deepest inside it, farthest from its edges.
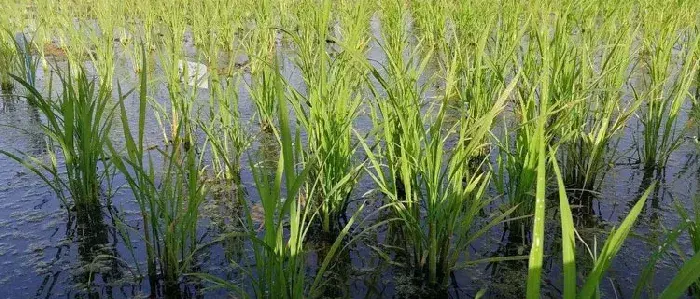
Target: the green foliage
(460, 108)
(169, 199)
(78, 123)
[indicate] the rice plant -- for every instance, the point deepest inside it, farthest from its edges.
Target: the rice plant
(459, 113)
(261, 47)
(224, 130)
(599, 116)
(78, 122)
(430, 21)
(666, 92)
(329, 106)
(102, 35)
(436, 195)
(223, 125)
(280, 269)
(521, 173)
(25, 64)
(168, 199)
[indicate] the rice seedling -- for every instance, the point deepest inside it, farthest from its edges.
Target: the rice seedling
(102, 34)
(280, 270)
(178, 74)
(666, 92)
(479, 79)
(261, 48)
(430, 20)
(8, 56)
(77, 124)
(436, 196)
(224, 129)
(329, 106)
(223, 126)
(403, 95)
(520, 169)
(598, 115)
(140, 26)
(25, 64)
(280, 264)
(168, 200)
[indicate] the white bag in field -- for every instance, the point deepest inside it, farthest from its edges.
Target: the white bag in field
(197, 73)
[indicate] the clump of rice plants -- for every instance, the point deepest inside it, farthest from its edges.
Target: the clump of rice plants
(261, 47)
(168, 199)
(78, 122)
(329, 106)
(280, 269)
(432, 190)
(279, 260)
(449, 117)
(666, 92)
(599, 114)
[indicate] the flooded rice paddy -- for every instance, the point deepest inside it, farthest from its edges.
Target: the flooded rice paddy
(49, 251)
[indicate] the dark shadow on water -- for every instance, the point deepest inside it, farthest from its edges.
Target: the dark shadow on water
(97, 256)
(36, 138)
(502, 275)
(649, 177)
(336, 280)
(582, 208)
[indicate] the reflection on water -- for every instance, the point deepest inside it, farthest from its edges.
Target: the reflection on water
(36, 140)
(96, 256)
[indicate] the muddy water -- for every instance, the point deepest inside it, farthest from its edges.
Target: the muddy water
(46, 252)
